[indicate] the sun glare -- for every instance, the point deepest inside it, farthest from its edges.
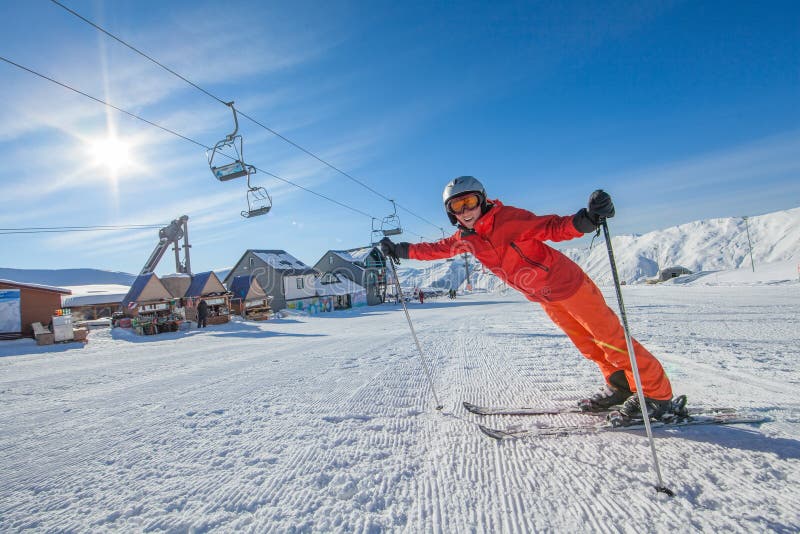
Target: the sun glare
(111, 153)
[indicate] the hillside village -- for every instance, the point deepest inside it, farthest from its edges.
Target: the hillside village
(263, 282)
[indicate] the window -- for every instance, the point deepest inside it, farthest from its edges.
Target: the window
(252, 262)
(330, 260)
(329, 278)
(300, 283)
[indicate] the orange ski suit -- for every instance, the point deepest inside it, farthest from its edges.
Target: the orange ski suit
(510, 242)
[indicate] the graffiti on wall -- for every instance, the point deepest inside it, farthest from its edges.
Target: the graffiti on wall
(312, 306)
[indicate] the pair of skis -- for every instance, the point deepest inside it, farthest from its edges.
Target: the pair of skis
(682, 417)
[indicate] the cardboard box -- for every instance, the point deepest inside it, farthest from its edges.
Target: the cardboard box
(42, 334)
(80, 334)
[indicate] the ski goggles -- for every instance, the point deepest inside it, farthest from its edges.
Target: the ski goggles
(458, 205)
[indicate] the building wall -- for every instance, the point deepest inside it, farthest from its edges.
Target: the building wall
(269, 279)
(94, 311)
(291, 290)
(366, 278)
(36, 306)
(154, 290)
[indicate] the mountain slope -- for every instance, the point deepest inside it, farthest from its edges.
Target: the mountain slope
(708, 245)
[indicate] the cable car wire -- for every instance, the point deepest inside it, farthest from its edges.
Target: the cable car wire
(193, 141)
(96, 227)
(243, 114)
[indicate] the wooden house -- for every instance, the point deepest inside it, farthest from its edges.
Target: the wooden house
(92, 302)
(365, 266)
(177, 284)
(282, 276)
(22, 304)
(147, 297)
(248, 298)
(207, 286)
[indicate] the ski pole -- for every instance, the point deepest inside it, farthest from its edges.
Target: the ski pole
(660, 487)
(413, 333)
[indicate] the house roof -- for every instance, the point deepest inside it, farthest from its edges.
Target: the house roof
(284, 262)
(199, 282)
(91, 300)
(136, 288)
(41, 287)
(358, 256)
(242, 284)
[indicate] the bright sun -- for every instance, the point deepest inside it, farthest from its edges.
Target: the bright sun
(111, 153)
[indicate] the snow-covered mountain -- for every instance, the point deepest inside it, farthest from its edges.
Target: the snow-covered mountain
(67, 277)
(708, 245)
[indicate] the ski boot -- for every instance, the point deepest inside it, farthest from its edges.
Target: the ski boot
(631, 411)
(612, 394)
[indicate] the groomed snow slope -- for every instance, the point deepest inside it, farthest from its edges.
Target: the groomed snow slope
(326, 424)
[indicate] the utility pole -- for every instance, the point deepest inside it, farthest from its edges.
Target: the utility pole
(749, 243)
(466, 266)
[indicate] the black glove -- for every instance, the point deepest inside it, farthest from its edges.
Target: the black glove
(394, 250)
(600, 207)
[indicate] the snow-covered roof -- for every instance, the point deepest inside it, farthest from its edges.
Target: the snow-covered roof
(98, 289)
(92, 299)
(36, 286)
(280, 260)
(355, 255)
(137, 287)
(343, 286)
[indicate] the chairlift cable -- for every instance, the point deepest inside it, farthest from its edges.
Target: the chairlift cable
(243, 114)
(93, 227)
(193, 141)
(198, 143)
(89, 22)
(12, 231)
(65, 86)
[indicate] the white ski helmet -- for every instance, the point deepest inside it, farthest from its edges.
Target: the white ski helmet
(460, 186)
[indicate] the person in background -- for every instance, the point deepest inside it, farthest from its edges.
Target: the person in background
(202, 314)
(509, 242)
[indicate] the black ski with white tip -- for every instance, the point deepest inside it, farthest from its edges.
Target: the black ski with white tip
(500, 410)
(708, 418)
(510, 410)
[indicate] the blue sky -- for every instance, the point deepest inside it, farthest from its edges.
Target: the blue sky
(682, 110)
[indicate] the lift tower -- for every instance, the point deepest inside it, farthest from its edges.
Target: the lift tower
(171, 235)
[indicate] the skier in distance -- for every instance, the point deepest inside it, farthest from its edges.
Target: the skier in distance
(509, 242)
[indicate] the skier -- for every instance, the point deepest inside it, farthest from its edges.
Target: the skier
(510, 242)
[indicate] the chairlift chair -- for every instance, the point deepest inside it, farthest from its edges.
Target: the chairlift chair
(390, 225)
(237, 168)
(258, 201)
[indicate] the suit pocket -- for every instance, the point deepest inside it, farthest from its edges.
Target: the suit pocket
(522, 255)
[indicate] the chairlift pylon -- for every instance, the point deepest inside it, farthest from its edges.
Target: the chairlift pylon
(258, 201)
(237, 168)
